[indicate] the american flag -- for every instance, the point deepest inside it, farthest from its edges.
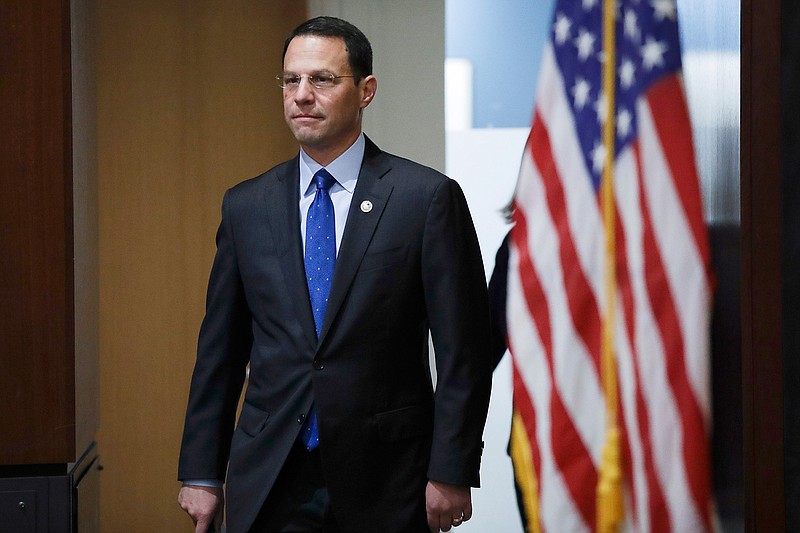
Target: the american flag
(556, 294)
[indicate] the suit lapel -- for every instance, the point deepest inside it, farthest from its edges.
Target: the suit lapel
(283, 199)
(361, 224)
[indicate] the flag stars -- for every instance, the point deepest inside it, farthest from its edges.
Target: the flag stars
(646, 50)
(631, 25)
(664, 9)
(585, 44)
(598, 157)
(601, 108)
(653, 53)
(624, 123)
(581, 92)
(627, 74)
(562, 28)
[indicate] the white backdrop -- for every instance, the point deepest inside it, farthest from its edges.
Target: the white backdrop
(485, 162)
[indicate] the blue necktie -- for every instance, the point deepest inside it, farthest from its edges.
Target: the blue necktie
(319, 260)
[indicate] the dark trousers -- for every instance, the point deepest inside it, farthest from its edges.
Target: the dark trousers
(298, 502)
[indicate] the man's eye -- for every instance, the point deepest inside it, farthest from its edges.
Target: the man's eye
(291, 80)
(322, 80)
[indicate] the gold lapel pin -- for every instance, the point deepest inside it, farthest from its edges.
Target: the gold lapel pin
(366, 206)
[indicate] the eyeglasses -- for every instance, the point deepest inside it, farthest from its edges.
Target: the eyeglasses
(290, 82)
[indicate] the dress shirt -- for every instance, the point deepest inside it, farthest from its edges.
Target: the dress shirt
(344, 169)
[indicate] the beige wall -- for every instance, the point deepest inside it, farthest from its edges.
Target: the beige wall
(187, 106)
(407, 115)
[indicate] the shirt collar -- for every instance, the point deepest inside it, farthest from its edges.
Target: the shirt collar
(344, 168)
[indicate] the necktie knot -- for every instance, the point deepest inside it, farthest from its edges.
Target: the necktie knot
(323, 179)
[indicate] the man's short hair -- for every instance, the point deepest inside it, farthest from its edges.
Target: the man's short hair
(359, 51)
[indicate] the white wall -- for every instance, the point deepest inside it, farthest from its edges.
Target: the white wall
(486, 163)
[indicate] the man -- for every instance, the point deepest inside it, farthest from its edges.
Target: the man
(340, 429)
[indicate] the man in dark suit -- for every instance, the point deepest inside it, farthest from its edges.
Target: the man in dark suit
(340, 429)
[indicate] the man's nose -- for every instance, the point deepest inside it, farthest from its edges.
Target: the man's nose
(305, 91)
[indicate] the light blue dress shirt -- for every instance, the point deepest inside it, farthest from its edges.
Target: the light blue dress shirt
(344, 169)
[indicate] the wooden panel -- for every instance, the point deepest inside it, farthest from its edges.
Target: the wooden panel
(187, 106)
(36, 277)
(762, 377)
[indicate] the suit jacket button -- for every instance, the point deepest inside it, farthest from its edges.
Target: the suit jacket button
(318, 364)
(300, 418)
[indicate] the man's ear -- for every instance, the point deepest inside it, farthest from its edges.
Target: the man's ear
(369, 87)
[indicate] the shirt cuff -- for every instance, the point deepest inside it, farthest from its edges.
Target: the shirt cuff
(204, 483)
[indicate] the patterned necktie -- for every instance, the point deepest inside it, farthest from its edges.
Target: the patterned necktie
(319, 261)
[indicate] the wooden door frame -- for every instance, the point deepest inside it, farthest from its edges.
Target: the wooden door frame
(762, 369)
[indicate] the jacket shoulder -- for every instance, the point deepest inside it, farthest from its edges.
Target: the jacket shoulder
(419, 180)
(270, 177)
(414, 169)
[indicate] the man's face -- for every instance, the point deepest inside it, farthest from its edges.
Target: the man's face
(324, 121)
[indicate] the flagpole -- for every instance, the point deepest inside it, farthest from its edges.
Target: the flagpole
(609, 488)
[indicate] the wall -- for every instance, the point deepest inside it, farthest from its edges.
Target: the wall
(407, 116)
(503, 41)
(187, 106)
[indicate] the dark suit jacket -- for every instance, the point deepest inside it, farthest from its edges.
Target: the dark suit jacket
(409, 264)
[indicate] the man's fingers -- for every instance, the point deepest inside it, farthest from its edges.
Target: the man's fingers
(433, 522)
(468, 511)
(201, 526)
(204, 505)
(433, 525)
(447, 505)
(219, 516)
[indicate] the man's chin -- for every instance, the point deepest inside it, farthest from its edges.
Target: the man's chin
(306, 136)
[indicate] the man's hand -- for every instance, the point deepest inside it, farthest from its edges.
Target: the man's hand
(206, 506)
(447, 505)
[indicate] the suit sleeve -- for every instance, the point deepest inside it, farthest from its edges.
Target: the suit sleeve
(497, 302)
(222, 353)
(458, 311)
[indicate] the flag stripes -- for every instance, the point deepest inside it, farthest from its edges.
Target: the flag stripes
(555, 301)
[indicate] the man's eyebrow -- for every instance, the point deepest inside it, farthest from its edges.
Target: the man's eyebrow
(311, 73)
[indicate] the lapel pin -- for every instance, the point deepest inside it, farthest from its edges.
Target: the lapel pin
(366, 206)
